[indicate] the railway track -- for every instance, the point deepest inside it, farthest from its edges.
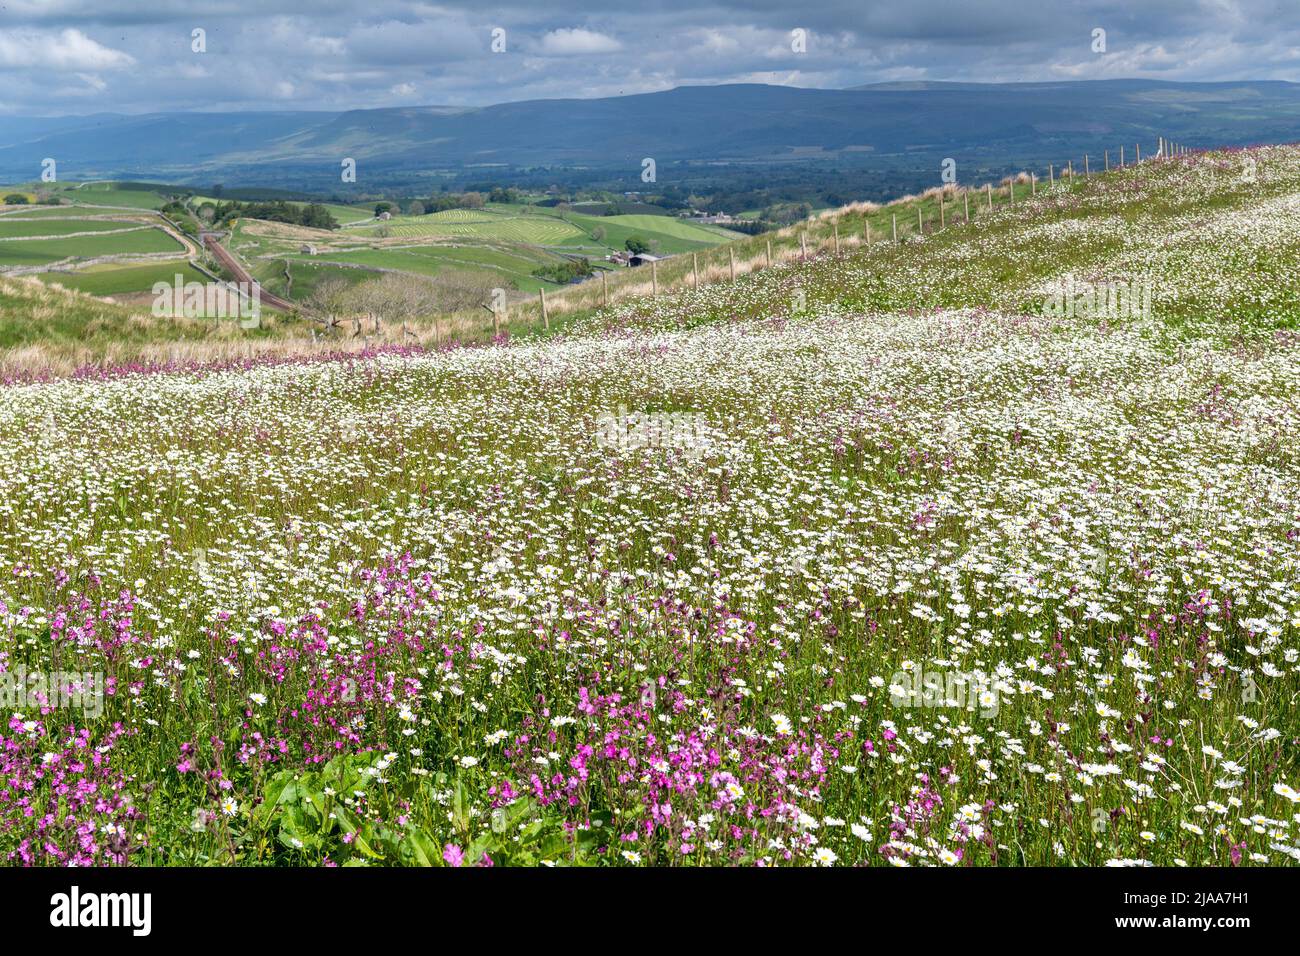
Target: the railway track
(236, 268)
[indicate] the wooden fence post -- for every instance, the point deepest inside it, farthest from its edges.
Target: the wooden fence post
(941, 222)
(920, 225)
(546, 317)
(1121, 156)
(695, 270)
(654, 277)
(1033, 185)
(604, 289)
(1138, 148)
(803, 244)
(866, 230)
(769, 253)
(965, 198)
(835, 229)
(732, 249)
(988, 194)
(895, 228)
(1086, 174)
(1107, 160)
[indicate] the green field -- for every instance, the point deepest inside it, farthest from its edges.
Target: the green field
(306, 276)
(344, 214)
(513, 267)
(110, 194)
(666, 235)
(41, 251)
(106, 279)
(481, 224)
(54, 212)
(14, 228)
(541, 226)
(677, 228)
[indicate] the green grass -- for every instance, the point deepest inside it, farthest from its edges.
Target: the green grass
(473, 224)
(69, 328)
(109, 280)
(306, 276)
(42, 251)
(666, 235)
(12, 228)
(516, 633)
(341, 213)
(27, 212)
(510, 264)
(110, 194)
(677, 228)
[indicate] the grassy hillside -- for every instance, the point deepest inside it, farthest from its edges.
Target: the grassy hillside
(878, 558)
(1212, 237)
(46, 326)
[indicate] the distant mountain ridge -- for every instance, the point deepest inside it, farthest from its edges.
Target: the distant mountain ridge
(740, 123)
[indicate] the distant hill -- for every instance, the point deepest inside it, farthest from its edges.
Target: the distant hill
(704, 124)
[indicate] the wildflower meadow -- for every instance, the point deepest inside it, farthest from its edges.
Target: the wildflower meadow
(914, 555)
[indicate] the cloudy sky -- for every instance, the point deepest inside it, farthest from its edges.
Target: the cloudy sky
(85, 56)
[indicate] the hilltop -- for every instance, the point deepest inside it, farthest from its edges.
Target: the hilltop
(887, 126)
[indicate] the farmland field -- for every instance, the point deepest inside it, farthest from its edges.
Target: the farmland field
(537, 230)
(511, 264)
(981, 550)
(109, 194)
(670, 226)
(545, 227)
(12, 227)
(667, 235)
(113, 279)
(142, 239)
(502, 243)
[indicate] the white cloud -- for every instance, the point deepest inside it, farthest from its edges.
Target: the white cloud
(578, 42)
(69, 50)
